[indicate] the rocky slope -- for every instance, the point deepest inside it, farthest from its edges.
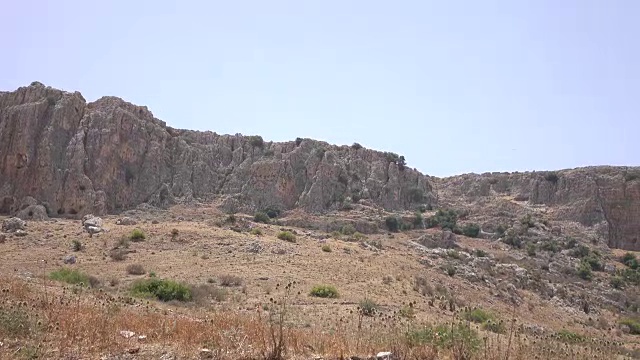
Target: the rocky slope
(77, 158)
(72, 157)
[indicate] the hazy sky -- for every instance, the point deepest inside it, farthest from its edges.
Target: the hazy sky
(454, 86)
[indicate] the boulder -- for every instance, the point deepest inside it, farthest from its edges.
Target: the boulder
(91, 221)
(71, 259)
(126, 221)
(13, 224)
(33, 212)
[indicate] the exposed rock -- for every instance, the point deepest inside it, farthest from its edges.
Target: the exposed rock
(445, 240)
(71, 259)
(126, 221)
(3, 238)
(91, 221)
(20, 233)
(110, 155)
(13, 224)
(590, 196)
(75, 158)
(33, 212)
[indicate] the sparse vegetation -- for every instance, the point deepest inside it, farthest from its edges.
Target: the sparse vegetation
(76, 245)
(137, 235)
(367, 307)
(230, 280)
(324, 291)
(161, 289)
(348, 230)
(326, 248)
(446, 219)
(392, 223)
(256, 141)
(471, 230)
(74, 277)
(552, 177)
(287, 236)
(135, 269)
(261, 217)
(118, 254)
(633, 324)
(630, 260)
(256, 231)
(584, 271)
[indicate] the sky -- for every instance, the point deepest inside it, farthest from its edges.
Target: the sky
(454, 86)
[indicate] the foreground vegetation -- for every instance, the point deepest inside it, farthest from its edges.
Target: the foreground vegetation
(88, 324)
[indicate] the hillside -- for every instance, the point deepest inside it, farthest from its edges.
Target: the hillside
(295, 250)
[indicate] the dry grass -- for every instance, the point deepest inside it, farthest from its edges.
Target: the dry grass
(238, 320)
(88, 324)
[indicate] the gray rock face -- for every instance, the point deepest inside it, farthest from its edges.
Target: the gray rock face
(591, 196)
(110, 155)
(33, 212)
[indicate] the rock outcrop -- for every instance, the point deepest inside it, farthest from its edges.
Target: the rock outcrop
(78, 158)
(73, 158)
(593, 196)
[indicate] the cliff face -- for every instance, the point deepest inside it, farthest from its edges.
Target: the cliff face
(591, 196)
(77, 158)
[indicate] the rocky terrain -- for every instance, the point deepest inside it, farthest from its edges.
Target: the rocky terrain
(125, 238)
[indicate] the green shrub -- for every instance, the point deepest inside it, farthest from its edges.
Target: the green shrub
(584, 270)
(630, 260)
(137, 235)
(633, 324)
(450, 269)
(15, 322)
(161, 289)
(272, 212)
(552, 177)
(416, 195)
(569, 336)
(326, 248)
(256, 141)
(287, 236)
(477, 315)
(528, 221)
(531, 250)
(594, 261)
(550, 245)
(581, 251)
(255, 231)
(471, 230)
(501, 229)
(324, 291)
(617, 282)
(480, 253)
(367, 307)
(392, 223)
(494, 326)
(446, 219)
(76, 245)
(446, 336)
(74, 277)
(357, 237)
(261, 217)
(348, 230)
(418, 220)
(513, 240)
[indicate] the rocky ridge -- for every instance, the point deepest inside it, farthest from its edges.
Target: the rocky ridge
(73, 158)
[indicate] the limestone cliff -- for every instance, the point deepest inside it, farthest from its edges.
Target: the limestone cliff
(604, 195)
(77, 158)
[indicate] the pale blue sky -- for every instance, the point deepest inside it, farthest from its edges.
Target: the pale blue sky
(454, 86)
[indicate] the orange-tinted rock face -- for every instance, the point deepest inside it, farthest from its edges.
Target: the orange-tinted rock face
(78, 158)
